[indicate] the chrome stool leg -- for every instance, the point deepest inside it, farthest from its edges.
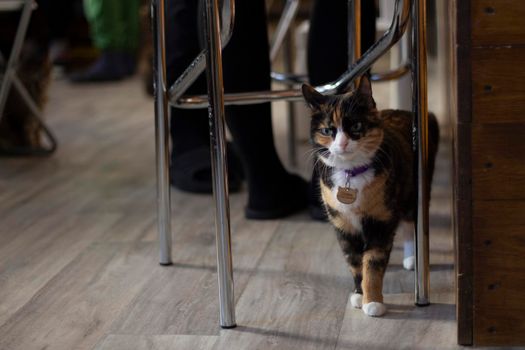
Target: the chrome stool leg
(219, 168)
(161, 132)
(10, 70)
(283, 39)
(9, 79)
(420, 108)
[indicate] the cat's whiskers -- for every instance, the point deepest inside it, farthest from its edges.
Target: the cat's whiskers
(315, 153)
(319, 160)
(311, 154)
(319, 163)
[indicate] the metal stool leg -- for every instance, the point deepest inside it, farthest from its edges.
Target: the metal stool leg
(283, 38)
(10, 78)
(219, 170)
(161, 133)
(15, 54)
(420, 108)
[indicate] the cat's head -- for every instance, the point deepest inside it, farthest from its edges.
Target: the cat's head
(346, 129)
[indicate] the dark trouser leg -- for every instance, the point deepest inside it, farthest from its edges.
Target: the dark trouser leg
(272, 191)
(328, 38)
(58, 14)
(247, 67)
(189, 127)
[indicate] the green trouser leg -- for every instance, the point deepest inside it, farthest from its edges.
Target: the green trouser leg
(114, 23)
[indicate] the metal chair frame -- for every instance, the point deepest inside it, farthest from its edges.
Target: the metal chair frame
(10, 78)
(211, 59)
(282, 40)
(290, 10)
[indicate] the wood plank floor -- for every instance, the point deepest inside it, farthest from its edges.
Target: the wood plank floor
(78, 253)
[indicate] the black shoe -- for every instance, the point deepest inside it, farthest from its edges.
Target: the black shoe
(108, 67)
(285, 197)
(191, 171)
(128, 62)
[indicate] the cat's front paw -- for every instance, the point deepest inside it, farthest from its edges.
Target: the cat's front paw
(356, 300)
(374, 309)
(409, 263)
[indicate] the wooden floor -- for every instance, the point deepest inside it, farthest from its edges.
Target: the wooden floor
(78, 253)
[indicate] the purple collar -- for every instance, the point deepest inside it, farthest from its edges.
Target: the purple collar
(357, 171)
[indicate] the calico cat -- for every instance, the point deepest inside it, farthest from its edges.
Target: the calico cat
(365, 161)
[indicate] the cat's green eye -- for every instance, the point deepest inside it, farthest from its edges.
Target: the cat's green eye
(326, 131)
(356, 127)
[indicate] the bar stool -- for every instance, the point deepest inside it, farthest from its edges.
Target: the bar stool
(9, 77)
(211, 59)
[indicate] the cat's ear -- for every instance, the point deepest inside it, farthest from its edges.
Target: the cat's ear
(365, 90)
(365, 87)
(314, 98)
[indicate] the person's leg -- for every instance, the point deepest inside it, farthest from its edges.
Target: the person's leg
(328, 38)
(108, 33)
(58, 14)
(189, 127)
(128, 33)
(104, 22)
(327, 41)
(273, 192)
(368, 24)
(190, 154)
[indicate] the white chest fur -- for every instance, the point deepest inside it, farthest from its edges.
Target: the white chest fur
(351, 211)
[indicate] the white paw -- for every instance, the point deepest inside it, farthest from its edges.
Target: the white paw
(356, 300)
(409, 262)
(374, 309)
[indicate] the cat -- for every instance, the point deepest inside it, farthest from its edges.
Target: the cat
(365, 161)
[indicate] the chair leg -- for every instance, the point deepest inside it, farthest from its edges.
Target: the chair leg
(10, 78)
(7, 78)
(420, 108)
(37, 113)
(219, 170)
(161, 133)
